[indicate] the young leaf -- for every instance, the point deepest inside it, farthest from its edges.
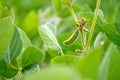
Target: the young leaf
(111, 33)
(109, 68)
(72, 38)
(47, 34)
(30, 56)
(66, 60)
(117, 19)
(18, 43)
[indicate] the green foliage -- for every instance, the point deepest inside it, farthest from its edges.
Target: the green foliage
(32, 33)
(117, 19)
(88, 65)
(6, 70)
(109, 67)
(111, 33)
(6, 31)
(30, 56)
(13, 43)
(18, 42)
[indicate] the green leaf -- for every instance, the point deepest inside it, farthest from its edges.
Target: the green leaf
(67, 60)
(117, 19)
(7, 71)
(25, 39)
(6, 31)
(49, 55)
(47, 34)
(15, 46)
(111, 33)
(88, 65)
(30, 23)
(55, 73)
(57, 5)
(30, 56)
(109, 68)
(18, 44)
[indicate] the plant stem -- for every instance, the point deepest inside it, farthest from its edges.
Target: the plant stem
(73, 13)
(93, 25)
(83, 41)
(19, 74)
(76, 21)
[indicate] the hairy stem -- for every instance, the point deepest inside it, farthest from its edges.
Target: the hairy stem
(93, 25)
